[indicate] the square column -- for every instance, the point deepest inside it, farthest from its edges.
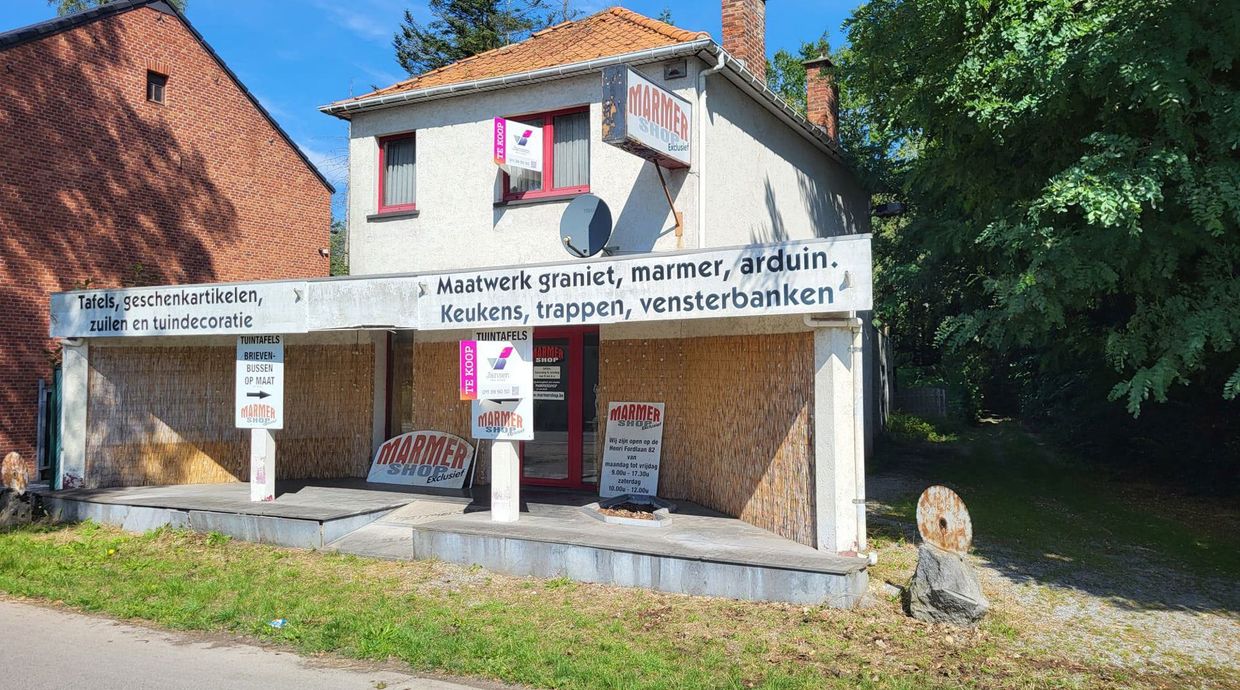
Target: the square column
(74, 397)
(262, 465)
(837, 376)
(505, 481)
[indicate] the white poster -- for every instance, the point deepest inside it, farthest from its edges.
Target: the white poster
(503, 420)
(423, 458)
(259, 398)
(497, 365)
(518, 145)
(803, 277)
(632, 449)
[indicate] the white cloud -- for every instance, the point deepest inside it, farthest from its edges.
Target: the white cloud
(380, 77)
(376, 20)
(333, 164)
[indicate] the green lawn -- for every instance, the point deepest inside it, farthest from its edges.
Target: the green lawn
(559, 634)
(1029, 499)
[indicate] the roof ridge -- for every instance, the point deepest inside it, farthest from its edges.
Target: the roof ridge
(485, 53)
(600, 22)
(656, 25)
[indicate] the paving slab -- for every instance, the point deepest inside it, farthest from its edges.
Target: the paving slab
(321, 500)
(693, 533)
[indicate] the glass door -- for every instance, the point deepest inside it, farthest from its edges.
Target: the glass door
(565, 416)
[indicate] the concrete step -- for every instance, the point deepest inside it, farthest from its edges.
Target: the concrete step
(306, 533)
(377, 540)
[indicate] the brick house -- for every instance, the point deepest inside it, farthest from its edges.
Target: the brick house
(130, 154)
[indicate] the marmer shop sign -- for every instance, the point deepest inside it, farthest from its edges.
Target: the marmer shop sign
(181, 310)
(805, 277)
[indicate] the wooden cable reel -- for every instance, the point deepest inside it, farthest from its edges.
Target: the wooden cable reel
(943, 520)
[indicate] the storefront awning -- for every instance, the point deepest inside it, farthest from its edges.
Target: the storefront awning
(803, 277)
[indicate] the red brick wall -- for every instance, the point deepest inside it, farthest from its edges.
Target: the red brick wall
(95, 181)
(744, 32)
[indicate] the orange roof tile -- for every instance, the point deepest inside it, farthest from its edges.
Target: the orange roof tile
(613, 31)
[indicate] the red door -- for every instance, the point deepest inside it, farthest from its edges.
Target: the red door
(563, 452)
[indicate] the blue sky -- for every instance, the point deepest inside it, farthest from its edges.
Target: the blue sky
(296, 56)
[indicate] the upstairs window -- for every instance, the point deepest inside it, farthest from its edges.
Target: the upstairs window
(397, 173)
(566, 157)
(156, 86)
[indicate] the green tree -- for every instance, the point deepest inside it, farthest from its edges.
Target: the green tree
(666, 16)
(65, 7)
(462, 28)
(1073, 171)
(339, 248)
(785, 73)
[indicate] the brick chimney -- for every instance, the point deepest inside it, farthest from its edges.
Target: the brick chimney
(744, 33)
(822, 96)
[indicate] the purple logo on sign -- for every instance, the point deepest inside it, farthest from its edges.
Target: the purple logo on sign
(500, 362)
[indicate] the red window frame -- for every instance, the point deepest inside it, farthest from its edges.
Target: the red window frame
(383, 141)
(548, 172)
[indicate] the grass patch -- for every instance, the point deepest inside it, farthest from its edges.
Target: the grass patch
(1025, 496)
(906, 428)
(544, 633)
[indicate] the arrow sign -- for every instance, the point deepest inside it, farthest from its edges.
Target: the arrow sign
(259, 397)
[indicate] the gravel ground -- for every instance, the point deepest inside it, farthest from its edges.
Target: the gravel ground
(1145, 615)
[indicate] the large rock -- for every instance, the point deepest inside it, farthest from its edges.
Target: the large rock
(945, 589)
(16, 509)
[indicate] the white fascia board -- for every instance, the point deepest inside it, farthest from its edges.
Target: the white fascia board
(757, 89)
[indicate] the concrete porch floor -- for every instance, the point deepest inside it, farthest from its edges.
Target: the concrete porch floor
(328, 499)
(699, 551)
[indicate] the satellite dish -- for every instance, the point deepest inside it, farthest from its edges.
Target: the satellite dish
(585, 226)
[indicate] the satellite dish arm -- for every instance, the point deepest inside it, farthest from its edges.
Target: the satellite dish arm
(680, 217)
(568, 244)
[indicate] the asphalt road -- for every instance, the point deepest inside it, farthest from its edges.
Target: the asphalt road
(49, 648)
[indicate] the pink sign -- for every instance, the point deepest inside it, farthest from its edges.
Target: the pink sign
(469, 370)
(518, 145)
(500, 132)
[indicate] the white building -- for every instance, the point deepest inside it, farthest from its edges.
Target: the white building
(732, 291)
(427, 196)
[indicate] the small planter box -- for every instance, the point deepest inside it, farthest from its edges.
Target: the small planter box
(643, 511)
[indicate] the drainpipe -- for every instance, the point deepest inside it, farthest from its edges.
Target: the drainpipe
(720, 61)
(858, 382)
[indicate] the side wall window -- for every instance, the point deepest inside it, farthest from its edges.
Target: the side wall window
(566, 157)
(156, 86)
(397, 173)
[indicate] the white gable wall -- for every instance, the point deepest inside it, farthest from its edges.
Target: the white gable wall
(765, 182)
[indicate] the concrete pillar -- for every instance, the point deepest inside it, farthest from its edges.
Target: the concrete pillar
(74, 398)
(262, 465)
(835, 440)
(505, 481)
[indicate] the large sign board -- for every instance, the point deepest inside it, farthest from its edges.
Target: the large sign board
(646, 119)
(259, 396)
(804, 277)
(423, 458)
(502, 420)
(181, 310)
(633, 448)
(518, 145)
